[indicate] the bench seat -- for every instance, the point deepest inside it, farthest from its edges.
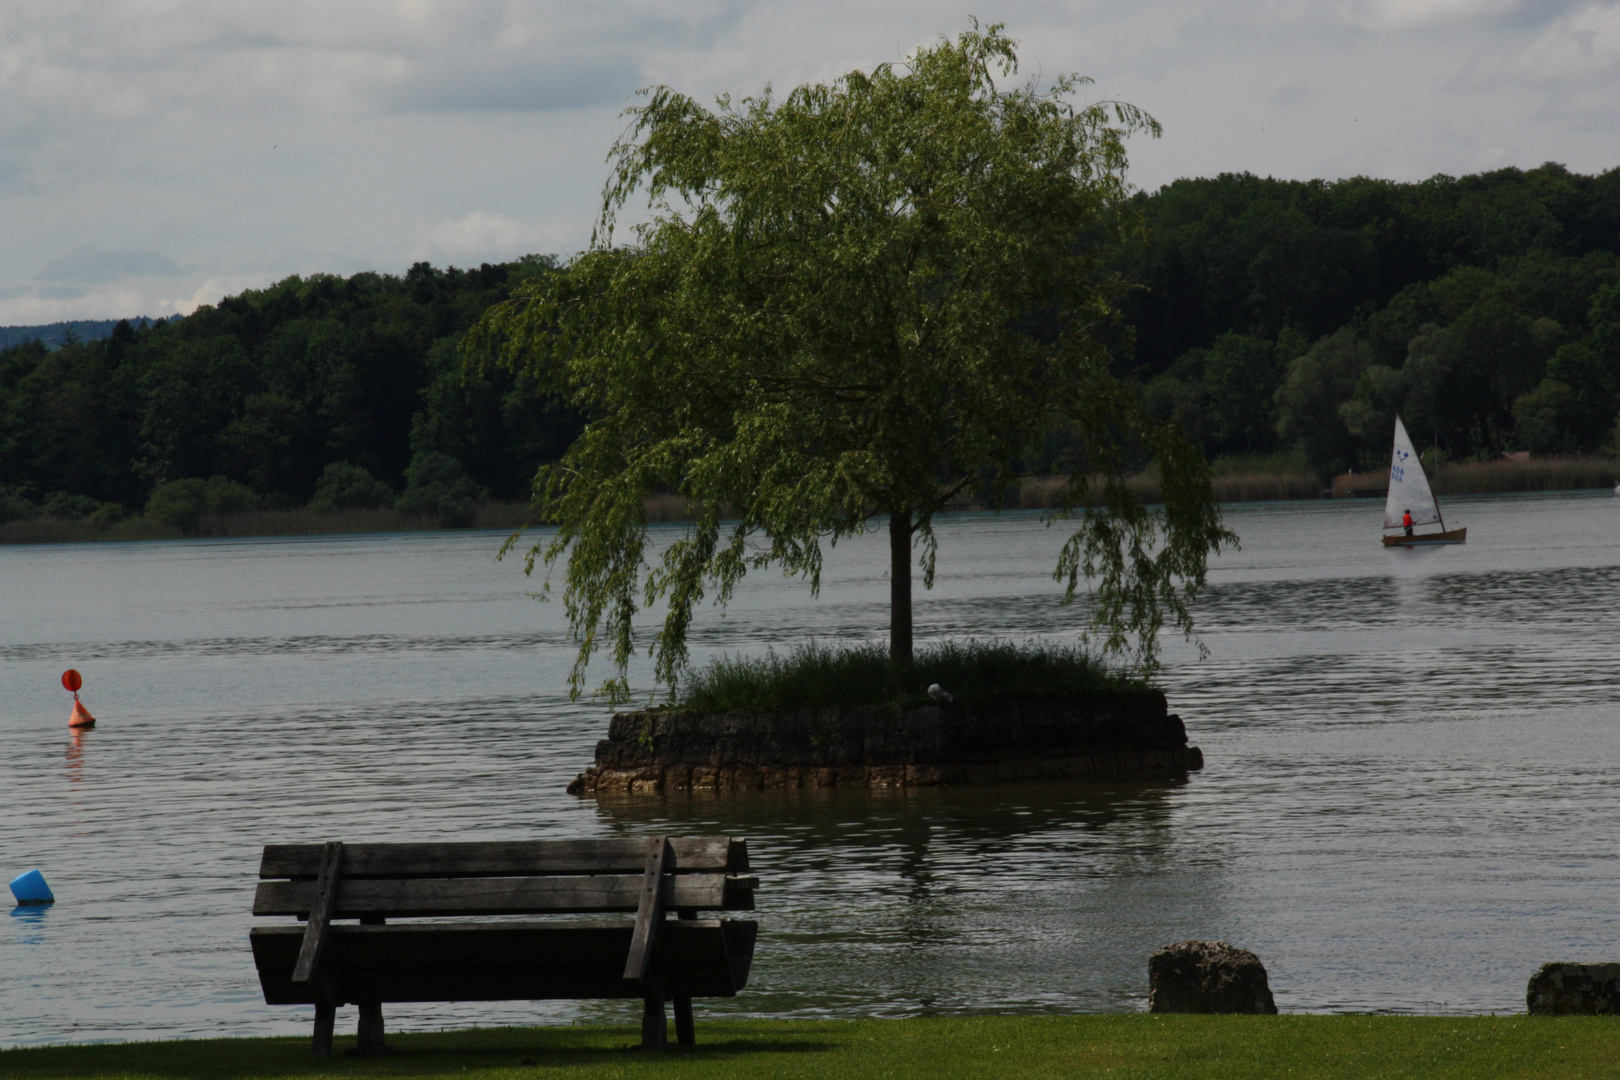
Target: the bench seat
(505, 961)
(496, 929)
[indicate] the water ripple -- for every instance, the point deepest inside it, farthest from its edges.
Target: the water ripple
(1408, 804)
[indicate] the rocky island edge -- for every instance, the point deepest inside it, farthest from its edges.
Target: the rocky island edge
(1127, 735)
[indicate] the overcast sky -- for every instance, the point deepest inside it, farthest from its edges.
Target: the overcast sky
(159, 154)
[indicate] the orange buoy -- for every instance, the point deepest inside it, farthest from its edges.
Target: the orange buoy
(81, 718)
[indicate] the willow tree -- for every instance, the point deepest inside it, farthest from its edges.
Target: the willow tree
(846, 307)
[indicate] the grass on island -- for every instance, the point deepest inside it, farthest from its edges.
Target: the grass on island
(1136, 1047)
(817, 676)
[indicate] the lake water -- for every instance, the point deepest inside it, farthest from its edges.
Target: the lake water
(1409, 803)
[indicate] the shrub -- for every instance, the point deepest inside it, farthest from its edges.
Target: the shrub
(107, 515)
(346, 486)
(820, 676)
(183, 502)
(437, 484)
(15, 508)
(64, 507)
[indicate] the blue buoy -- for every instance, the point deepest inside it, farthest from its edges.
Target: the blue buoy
(30, 888)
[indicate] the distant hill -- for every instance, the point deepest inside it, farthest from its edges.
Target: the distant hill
(54, 335)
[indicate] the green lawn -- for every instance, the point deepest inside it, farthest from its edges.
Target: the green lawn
(1429, 1048)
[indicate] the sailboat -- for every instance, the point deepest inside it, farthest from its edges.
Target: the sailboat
(1409, 494)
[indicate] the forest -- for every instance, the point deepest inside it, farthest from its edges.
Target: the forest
(1279, 323)
(323, 391)
(1297, 318)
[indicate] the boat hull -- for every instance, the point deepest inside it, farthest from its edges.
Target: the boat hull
(1455, 536)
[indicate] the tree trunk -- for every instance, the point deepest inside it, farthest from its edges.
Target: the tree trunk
(900, 531)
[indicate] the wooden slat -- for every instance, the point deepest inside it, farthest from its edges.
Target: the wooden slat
(494, 896)
(321, 904)
(650, 911)
(525, 858)
(493, 944)
(495, 961)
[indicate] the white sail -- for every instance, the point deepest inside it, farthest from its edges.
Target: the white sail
(1408, 487)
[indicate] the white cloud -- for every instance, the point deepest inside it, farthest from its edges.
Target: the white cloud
(1582, 45)
(117, 302)
(1393, 16)
(88, 263)
(481, 237)
(242, 142)
(209, 292)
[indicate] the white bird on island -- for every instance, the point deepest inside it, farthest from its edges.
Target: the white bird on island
(939, 693)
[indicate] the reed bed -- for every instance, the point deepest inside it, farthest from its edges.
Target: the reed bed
(1497, 477)
(1036, 493)
(1046, 492)
(301, 522)
(1262, 487)
(1346, 484)
(666, 507)
(58, 531)
(1537, 474)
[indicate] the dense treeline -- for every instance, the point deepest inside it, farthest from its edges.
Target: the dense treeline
(337, 392)
(1282, 316)
(66, 333)
(1274, 318)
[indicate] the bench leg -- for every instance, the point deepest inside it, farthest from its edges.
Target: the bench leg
(683, 1022)
(654, 1028)
(325, 1017)
(369, 1035)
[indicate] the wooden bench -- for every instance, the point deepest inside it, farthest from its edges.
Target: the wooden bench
(327, 964)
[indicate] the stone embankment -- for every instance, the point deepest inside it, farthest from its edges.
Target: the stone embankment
(1130, 736)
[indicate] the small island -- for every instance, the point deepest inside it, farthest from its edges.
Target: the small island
(1121, 737)
(850, 717)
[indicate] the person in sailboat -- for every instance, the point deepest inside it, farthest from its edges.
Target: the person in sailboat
(1406, 521)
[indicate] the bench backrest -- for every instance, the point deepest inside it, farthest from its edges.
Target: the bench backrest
(527, 877)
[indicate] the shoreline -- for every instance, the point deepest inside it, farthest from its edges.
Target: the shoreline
(1451, 481)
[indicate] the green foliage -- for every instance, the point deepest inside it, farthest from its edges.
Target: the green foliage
(14, 507)
(850, 304)
(1463, 287)
(346, 486)
(268, 387)
(1369, 415)
(1309, 398)
(496, 423)
(182, 503)
(1240, 254)
(62, 506)
(1223, 396)
(437, 485)
(817, 676)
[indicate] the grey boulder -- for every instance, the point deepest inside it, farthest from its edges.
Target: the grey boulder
(1207, 977)
(1574, 990)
